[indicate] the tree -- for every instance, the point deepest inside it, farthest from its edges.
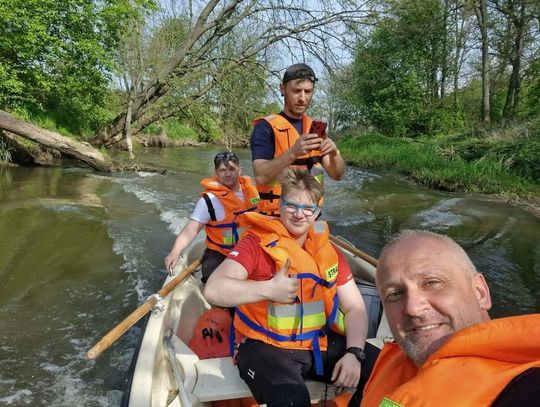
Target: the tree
(333, 101)
(463, 23)
(197, 64)
(480, 8)
(83, 152)
(57, 56)
(513, 38)
(397, 69)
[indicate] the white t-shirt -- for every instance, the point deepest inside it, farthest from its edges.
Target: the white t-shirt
(200, 213)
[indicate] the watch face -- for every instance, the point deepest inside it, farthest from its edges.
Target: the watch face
(358, 352)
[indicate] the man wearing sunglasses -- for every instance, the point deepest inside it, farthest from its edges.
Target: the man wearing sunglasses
(294, 295)
(288, 139)
(226, 196)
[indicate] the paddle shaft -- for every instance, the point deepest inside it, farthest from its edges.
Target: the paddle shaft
(136, 315)
(364, 256)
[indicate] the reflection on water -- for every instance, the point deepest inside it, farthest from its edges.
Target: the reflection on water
(79, 250)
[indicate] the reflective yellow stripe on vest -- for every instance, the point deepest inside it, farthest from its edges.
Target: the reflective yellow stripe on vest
(290, 317)
(339, 322)
(389, 403)
(227, 235)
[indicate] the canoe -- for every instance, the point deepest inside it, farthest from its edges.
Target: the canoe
(168, 373)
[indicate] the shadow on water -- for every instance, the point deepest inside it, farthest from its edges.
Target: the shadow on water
(80, 250)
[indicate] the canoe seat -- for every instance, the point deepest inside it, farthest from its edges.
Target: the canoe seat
(218, 379)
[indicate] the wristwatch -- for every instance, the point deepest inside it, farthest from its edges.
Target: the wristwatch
(358, 352)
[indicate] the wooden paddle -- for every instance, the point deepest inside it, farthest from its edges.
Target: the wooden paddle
(364, 256)
(127, 323)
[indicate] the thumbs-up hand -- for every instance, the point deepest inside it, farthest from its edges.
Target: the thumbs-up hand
(283, 288)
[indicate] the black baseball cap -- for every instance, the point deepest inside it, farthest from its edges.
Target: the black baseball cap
(299, 71)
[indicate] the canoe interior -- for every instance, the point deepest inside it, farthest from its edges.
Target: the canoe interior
(153, 382)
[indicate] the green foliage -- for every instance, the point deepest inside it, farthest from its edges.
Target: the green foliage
(406, 68)
(178, 131)
(163, 42)
(394, 71)
(210, 128)
(531, 91)
(5, 155)
(437, 165)
(267, 109)
(521, 156)
(174, 130)
(201, 127)
(58, 56)
(240, 96)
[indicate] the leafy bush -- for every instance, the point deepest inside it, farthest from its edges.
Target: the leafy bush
(209, 127)
(179, 131)
(174, 129)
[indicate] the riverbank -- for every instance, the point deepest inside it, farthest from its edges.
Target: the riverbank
(472, 165)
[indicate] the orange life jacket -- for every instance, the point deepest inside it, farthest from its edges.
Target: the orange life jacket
(304, 323)
(285, 135)
(222, 235)
(470, 369)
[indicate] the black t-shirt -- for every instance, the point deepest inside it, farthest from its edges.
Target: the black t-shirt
(523, 390)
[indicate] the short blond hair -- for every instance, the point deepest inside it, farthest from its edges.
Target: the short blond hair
(300, 180)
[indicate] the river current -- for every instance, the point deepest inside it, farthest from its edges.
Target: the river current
(80, 250)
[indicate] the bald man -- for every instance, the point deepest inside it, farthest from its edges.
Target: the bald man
(447, 351)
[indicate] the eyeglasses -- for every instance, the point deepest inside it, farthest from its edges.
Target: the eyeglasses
(291, 207)
(225, 158)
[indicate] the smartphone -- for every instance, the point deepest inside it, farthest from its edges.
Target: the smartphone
(318, 127)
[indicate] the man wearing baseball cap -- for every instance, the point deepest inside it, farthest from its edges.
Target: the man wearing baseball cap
(284, 140)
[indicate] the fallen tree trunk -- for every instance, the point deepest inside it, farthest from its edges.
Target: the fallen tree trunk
(21, 153)
(81, 151)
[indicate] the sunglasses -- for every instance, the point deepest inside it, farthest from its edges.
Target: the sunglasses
(306, 209)
(225, 158)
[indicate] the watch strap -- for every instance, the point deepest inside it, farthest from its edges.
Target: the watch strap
(356, 351)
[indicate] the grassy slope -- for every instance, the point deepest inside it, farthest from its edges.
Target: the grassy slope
(448, 165)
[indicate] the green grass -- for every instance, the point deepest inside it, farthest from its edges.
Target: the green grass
(49, 123)
(5, 155)
(174, 130)
(438, 164)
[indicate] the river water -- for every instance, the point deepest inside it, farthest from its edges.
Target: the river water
(79, 250)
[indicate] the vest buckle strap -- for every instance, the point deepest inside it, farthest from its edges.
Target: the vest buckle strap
(317, 279)
(269, 196)
(223, 246)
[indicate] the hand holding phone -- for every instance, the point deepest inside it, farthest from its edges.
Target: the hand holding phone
(318, 127)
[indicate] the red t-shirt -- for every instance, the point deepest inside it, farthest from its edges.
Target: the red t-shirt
(260, 265)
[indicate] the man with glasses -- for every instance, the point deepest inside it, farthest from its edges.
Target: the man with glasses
(287, 139)
(294, 295)
(226, 196)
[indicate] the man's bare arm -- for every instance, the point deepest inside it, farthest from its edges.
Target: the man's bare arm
(352, 305)
(347, 370)
(228, 286)
(184, 238)
(332, 160)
